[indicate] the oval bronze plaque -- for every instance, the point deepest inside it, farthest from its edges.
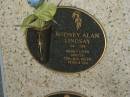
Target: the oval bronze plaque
(65, 94)
(74, 43)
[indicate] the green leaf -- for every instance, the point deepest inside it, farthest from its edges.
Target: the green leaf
(46, 11)
(27, 21)
(38, 24)
(41, 19)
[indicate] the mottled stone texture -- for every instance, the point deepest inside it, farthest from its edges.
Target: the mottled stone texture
(25, 77)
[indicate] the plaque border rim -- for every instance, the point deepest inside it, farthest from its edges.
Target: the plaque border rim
(67, 92)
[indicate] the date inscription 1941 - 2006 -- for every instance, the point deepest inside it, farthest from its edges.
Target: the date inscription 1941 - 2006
(73, 44)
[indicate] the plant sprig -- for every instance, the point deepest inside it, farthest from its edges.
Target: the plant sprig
(41, 18)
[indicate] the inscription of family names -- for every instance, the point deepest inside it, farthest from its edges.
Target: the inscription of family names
(77, 43)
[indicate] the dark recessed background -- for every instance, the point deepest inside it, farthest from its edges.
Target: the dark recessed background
(1, 83)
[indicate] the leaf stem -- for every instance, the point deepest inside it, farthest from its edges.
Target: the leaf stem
(59, 3)
(40, 45)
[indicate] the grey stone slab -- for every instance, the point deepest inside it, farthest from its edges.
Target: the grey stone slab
(25, 77)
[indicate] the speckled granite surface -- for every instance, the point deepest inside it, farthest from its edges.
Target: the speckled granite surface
(26, 78)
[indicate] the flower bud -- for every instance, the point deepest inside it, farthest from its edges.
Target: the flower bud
(35, 3)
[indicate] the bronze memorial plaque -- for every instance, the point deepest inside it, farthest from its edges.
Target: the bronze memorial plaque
(74, 43)
(65, 94)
